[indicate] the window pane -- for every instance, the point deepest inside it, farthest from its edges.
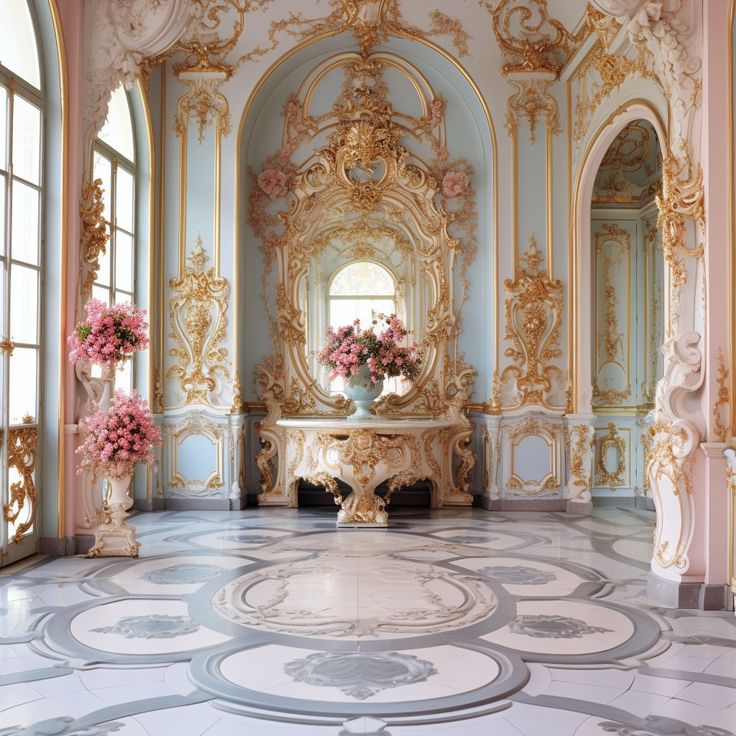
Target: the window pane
(118, 129)
(99, 292)
(3, 184)
(18, 42)
(23, 375)
(103, 272)
(3, 127)
(123, 261)
(363, 278)
(124, 200)
(24, 235)
(23, 304)
(102, 169)
(344, 311)
(26, 140)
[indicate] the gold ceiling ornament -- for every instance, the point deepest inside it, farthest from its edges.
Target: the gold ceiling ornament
(581, 438)
(203, 101)
(533, 312)
(722, 400)
(22, 458)
(604, 26)
(94, 236)
(198, 320)
(613, 339)
(682, 198)
(531, 100)
(611, 440)
(531, 40)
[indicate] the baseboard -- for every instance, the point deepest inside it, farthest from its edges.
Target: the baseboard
(526, 504)
(149, 504)
(57, 547)
(620, 501)
(204, 504)
(645, 503)
(701, 596)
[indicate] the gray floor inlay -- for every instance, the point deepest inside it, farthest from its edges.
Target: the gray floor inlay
(272, 622)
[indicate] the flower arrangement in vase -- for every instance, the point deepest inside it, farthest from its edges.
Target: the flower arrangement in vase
(110, 334)
(364, 357)
(116, 432)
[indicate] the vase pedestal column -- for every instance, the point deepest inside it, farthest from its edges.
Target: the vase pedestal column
(115, 538)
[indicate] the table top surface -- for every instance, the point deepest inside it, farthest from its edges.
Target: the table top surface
(380, 423)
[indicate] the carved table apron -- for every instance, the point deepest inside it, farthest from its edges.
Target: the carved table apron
(363, 454)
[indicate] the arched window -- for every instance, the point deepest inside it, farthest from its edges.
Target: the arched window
(114, 164)
(361, 290)
(21, 260)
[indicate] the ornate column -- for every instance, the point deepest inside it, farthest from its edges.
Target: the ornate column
(491, 434)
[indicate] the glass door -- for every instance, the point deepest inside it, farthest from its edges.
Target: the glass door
(20, 293)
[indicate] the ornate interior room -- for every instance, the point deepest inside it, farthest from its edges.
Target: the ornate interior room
(367, 367)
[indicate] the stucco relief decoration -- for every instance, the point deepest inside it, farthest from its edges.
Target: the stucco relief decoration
(581, 439)
(93, 238)
(363, 177)
(533, 312)
(535, 47)
(198, 328)
(122, 37)
(20, 510)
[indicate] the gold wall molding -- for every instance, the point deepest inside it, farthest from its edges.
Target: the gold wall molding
(198, 327)
(611, 440)
(720, 428)
(616, 351)
(514, 434)
(533, 313)
(94, 236)
(22, 458)
(581, 438)
(203, 101)
(176, 435)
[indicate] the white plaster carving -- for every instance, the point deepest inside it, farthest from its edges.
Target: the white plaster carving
(119, 36)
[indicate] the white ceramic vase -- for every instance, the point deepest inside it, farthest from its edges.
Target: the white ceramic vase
(362, 392)
(119, 492)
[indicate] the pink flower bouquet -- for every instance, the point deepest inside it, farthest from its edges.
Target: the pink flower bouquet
(109, 335)
(119, 438)
(350, 347)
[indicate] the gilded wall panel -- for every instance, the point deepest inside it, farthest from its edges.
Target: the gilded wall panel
(196, 455)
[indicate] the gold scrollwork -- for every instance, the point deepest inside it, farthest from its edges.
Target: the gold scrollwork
(549, 433)
(580, 438)
(533, 310)
(529, 38)
(682, 197)
(532, 99)
(94, 235)
(198, 319)
(611, 440)
(22, 459)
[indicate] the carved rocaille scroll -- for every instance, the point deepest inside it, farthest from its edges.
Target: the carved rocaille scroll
(198, 319)
(94, 236)
(22, 459)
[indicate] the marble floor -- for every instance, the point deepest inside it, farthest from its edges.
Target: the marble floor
(273, 622)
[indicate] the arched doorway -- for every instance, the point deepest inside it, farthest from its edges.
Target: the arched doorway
(627, 299)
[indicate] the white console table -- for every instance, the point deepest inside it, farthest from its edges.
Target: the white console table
(363, 454)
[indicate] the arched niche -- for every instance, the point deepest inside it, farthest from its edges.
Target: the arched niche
(365, 159)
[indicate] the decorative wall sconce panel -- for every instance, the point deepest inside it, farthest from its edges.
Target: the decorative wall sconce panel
(19, 513)
(198, 328)
(611, 467)
(533, 312)
(612, 385)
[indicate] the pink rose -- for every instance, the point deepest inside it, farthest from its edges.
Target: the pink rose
(273, 183)
(455, 184)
